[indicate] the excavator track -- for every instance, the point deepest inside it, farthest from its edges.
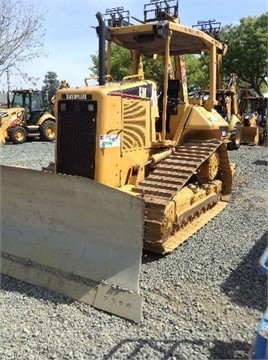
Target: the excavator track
(166, 182)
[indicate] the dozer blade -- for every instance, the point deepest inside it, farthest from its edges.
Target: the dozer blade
(249, 135)
(73, 236)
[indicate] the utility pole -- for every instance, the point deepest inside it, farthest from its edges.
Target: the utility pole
(8, 89)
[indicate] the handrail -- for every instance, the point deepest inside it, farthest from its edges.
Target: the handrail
(88, 78)
(131, 77)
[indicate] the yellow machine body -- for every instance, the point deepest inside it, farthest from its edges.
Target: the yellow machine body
(124, 135)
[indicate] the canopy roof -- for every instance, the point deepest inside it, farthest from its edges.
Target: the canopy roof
(150, 38)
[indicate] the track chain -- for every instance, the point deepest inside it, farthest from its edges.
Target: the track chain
(172, 174)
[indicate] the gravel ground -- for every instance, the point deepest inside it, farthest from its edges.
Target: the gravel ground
(203, 301)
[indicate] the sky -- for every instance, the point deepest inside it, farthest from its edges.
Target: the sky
(70, 38)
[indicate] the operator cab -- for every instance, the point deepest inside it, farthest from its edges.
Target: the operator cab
(173, 100)
(34, 102)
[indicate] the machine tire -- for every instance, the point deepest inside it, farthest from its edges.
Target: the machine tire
(235, 138)
(17, 134)
(47, 130)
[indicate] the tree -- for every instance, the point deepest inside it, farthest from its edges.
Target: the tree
(51, 83)
(21, 33)
(247, 51)
(197, 68)
(153, 68)
(120, 63)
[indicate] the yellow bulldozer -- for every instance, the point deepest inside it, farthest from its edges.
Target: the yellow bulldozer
(29, 116)
(133, 170)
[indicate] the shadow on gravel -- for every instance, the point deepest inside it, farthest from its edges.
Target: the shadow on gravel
(247, 285)
(34, 291)
(148, 257)
(158, 349)
(169, 349)
(261, 162)
(226, 350)
(30, 140)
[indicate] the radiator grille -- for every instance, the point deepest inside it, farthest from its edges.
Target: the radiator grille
(76, 138)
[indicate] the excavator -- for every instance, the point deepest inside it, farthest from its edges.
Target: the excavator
(134, 169)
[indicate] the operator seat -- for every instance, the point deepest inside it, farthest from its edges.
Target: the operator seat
(172, 103)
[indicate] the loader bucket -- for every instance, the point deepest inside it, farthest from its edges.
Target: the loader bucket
(73, 236)
(249, 135)
(3, 135)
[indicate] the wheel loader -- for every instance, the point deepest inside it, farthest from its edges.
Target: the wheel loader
(28, 117)
(134, 170)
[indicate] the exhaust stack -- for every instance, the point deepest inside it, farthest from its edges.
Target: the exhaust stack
(101, 33)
